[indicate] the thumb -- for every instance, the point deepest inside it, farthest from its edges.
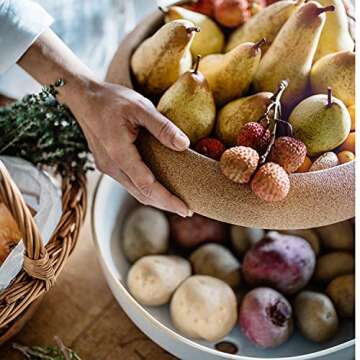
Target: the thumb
(166, 132)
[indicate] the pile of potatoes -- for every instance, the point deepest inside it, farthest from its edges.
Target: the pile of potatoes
(214, 276)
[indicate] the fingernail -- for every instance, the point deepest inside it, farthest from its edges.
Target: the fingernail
(183, 215)
(187, 213)
(181, 141)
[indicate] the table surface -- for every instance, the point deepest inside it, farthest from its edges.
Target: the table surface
(81, 310)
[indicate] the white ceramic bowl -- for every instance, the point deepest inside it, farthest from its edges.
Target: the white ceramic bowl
(111, 205)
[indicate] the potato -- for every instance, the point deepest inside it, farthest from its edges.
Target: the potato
(334, 264)
(217, 261)
(191, 232)
(342, 292)
(153, 279)
(146, 232)
(338, 236)
(243, 238)
(316, 316)
(204, 308)
(309, 235)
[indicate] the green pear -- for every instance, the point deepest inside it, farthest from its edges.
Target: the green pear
(337, 71)
(322, 122)
(335, 35)
(190, 105)
(160, 60)
(210, 39)
(233, 116)
(265, 24)
(291, 54)
(230, 75)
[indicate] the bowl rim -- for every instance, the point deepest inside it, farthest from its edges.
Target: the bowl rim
(290, 175)
(173, 334)
(154, 15)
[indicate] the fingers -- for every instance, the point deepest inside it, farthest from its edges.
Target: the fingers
(164, 130)
(151, 190)
(156, 199)
(137, 178)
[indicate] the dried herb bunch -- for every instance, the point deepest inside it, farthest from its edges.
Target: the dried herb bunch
(59, 352)
(41, 130)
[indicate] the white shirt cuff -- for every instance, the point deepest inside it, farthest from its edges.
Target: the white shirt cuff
(21, 22)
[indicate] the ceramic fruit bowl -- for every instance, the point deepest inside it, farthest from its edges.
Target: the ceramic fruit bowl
(110, 207)
(315, 198)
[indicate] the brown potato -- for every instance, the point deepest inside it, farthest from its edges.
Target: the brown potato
(316, 316)
(243, 238)
(146, 232)
(342, 292)
(217, 261)
(204, 308)
(338, 236)
(153, 279)
(334, 264)
(191, 232)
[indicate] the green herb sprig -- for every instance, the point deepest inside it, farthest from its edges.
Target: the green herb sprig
(59, 352)
(41, 130)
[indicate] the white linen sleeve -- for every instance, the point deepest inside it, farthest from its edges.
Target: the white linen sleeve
(21, 22)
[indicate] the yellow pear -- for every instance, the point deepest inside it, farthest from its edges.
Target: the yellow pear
(190, 105)
(160, 60)
(209, 40)
(352, 112)
(265, 24)
(335, 35)
(233, 116)
(291, 54)
(230, 75)
(322, 122)
(336, 70)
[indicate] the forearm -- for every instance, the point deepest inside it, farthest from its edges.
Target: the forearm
(49, 59)
(110, 117)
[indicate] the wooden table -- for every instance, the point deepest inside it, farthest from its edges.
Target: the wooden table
(82, 311)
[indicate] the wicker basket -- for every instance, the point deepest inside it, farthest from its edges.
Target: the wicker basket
(42, 265)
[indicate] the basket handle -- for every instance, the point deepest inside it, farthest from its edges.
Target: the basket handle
(37, 263)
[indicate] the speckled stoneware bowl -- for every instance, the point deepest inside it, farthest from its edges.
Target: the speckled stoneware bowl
(111, 205)
(315, 199)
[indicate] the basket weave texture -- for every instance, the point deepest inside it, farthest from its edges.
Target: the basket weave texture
(42, 264)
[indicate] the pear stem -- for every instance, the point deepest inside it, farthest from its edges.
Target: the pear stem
(260, 44)
(163, 10)
(329, 94)
(193, 28)
(350, 17)
(326, 9)
(196, 68)
(275, 106)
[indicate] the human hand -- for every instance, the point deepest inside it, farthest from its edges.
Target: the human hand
(111, 116)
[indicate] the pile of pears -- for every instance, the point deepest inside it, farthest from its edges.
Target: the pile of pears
(210, 81)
